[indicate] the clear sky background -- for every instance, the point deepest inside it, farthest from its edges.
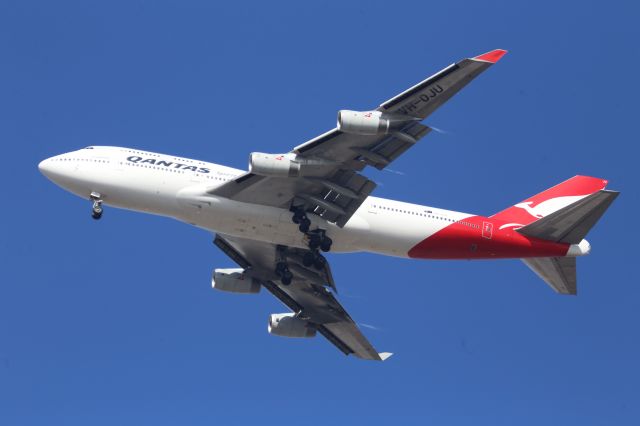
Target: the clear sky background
(114, 322)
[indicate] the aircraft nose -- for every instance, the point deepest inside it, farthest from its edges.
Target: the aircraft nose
(52, 169)
(45, 167)
(65, 173)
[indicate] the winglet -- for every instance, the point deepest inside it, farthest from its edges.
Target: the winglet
(491, 57)
(384, 355)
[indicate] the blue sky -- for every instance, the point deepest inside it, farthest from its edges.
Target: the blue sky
(115, 322)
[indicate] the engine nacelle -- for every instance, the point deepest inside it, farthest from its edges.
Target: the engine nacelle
(234, 280)
(363, 122)
(371, 122)
(288, 325)
(287, 165)
(278, 165)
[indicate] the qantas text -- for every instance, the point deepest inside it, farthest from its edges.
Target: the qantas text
(175, 165)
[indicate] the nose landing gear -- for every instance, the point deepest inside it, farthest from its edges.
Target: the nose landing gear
(96, 208)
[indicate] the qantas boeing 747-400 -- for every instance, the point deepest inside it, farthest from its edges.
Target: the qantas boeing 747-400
(275, 220)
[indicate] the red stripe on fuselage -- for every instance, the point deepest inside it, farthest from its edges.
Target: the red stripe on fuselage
(466, 240)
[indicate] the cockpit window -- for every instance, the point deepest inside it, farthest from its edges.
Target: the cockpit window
(89, 147)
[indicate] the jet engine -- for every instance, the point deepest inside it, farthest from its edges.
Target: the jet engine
(288, 325)
(234, 280)
(277, 165)
(287, 165)
(370, 122)
(363, 122)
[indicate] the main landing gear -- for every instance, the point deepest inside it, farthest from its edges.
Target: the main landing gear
(315, 259)
(318, 240)
(96, 208)
(300, 218)
(283, 272)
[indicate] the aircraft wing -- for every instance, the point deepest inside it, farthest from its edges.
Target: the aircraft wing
(307, 295)
(338, 192)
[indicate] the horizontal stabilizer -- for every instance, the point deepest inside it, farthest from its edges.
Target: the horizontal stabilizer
(571, 223)
(384, 355)
(558, 272)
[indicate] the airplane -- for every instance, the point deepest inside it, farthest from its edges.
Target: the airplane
(276, 219)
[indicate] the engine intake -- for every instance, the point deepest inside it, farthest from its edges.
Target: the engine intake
(234, 280)
(288, 325)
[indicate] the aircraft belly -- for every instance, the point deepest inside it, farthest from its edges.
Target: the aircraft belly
(395, 235)
(244, 220)
(257, 222)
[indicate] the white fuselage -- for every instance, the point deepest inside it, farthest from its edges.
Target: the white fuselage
(177, 187)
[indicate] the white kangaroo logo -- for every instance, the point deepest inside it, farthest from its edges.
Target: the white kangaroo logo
(548, 206)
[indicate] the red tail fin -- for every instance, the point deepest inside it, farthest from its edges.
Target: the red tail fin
(552, 199)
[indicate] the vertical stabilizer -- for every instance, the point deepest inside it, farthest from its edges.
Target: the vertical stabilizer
(551, 200)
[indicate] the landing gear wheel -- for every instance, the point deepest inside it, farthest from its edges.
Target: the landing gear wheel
(314, 242)
(286, 278)
(304, 225)
(319, 262)
(325, 245)
(282, 271)
(299, 216)
(96, 209)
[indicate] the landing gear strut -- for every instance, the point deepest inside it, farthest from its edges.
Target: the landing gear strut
(96, 208)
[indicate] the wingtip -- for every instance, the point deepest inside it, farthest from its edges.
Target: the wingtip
(384, 355)
(491, 57)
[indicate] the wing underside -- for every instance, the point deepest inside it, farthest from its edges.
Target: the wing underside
(306, 295)
(337, 193)
(323, 177)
